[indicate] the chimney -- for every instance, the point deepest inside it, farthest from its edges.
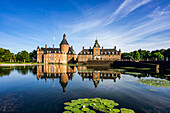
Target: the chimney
(45, 46)
(83, 47)
(114, 47)
(90, 47)
(53, 46)
(71, 47)
(102, 47)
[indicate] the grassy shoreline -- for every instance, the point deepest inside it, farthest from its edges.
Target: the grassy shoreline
(19, 63)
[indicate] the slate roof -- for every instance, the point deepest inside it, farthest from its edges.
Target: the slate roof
(102, 51)
(64, 41)
(57, 50)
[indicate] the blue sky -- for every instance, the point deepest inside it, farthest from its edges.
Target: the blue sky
(127, 24)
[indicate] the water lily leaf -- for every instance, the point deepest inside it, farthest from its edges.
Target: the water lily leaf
(66, 103)
(74, 101)
(68, 108)
(78, 106)
(74, 109)
(97, 104)
(85, 109)
(124, 110)
(115, 110)
(152, 90)
(72, 104)
(91, 111)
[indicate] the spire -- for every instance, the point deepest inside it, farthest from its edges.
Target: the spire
(64, 36)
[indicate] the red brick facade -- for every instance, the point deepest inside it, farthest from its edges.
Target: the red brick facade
(97, 53)
(64, 54)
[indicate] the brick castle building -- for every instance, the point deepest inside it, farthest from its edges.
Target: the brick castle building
(52, 72)
(64, 54)
(97, 53)
(97, 76)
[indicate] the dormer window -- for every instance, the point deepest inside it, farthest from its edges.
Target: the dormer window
(55, 51)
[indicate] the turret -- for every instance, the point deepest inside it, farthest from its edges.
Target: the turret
(64, 46)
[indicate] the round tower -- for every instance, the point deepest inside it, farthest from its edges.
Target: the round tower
(64, 46)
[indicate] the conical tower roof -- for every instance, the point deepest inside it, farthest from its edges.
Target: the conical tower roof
(64, 41)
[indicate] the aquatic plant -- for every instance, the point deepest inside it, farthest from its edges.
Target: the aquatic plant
(152, 90)
(154, 82)
(93, 105)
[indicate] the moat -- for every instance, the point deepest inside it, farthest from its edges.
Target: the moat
(45, 89)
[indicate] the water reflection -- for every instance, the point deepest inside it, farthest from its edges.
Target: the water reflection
(62, 72)
(97, 75)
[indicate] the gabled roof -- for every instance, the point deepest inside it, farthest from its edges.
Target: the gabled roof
(64, 41)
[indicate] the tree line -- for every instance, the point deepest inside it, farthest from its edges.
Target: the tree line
(162, 54)
(23, 56)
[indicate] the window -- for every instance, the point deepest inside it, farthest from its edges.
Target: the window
(68, 55)
(52, 59)
(96, 50)
(52, 55)
(59, 55)
(84, 59)
(80, 59)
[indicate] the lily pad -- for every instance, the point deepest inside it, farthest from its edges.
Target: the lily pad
(152, 90)
(68, 108)
(92, 105)
(91, 111)
(124, 110)
(85, 109)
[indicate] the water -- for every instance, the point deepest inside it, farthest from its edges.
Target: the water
(44, 89)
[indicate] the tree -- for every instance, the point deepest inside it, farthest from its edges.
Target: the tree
(158, 55)
(23, 56)
(33, 55)
(6, 55)
(136, 55)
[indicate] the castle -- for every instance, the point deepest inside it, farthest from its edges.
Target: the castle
(62, 72)
(64, 54)
(97, 53)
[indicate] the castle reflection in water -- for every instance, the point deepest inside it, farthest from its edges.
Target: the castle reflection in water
(65, 73)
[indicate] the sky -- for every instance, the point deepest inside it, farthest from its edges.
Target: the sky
(128, 24)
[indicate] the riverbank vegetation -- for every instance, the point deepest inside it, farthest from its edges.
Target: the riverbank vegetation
(7, 57)
(161, 54)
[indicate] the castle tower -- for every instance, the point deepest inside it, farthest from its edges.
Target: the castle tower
(64, 46)
(96, 49)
